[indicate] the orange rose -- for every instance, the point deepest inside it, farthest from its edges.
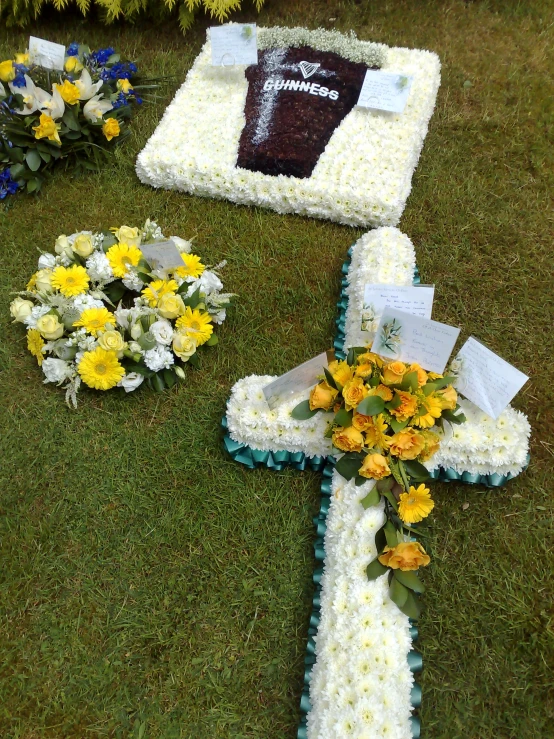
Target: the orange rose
(408, 405)
(375, 467)
(340, 371)
(408, 555)
(421, 374)
(348, 439)
(353, 393)
(322, 396)
(394, 372)
(447, 397)
(406, 444)
(432, 444)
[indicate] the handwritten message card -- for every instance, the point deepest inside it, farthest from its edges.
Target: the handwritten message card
(162, 255)
(413, 339)
(235, 43)
(384, 91)
(46, 54)
(415, 299)
(300, 378)
(486, 379)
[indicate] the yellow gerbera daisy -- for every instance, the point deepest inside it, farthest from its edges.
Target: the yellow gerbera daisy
(35, 344)
(193, 266)
(32, 283)
(196, 324)
(100, 369)
(429, 410)
(156, 289)
(122, 256)
(95, 319)
(70, 281)
(415, 505)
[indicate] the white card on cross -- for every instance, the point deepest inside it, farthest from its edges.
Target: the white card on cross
(486, 379)
(234, 43)
(162, 255)
(385, 91)
(46, 54)
(413, 339)
(415, 299)
(300, 378)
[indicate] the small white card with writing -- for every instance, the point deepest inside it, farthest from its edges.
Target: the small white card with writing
(234, 43)
(301, 378)
(415, 299)
(46, 54)
(486, 379)
(162, 255)
(384, 91)
(413, 339)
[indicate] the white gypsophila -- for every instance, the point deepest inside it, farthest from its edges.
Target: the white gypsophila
(151, 232)
(57, 370)
(162, 331)
(86, 301)
(361, 681)
(184, 246)
(131, 381)
(132, 281)
(362, 178)
(158, 358)
(39, 310)
(98, 267)
(46, 261)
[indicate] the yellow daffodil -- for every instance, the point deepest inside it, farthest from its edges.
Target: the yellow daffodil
(35, 344)
(70, 281)
(94, 320)
(100, 369)
(69, 92)
(22, 59)
(196, 324)
(124, 86)
(47, 129)
(111, 128)
(193, 266)
(121, 257)
(415, 505)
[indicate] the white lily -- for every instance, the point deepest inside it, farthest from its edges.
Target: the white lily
(86, 87)
(3, 93)
(96, 107)
(30, 94)
(52, 104)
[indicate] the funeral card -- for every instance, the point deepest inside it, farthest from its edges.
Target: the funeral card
(162, 255)
(415, 299)
(234, 43)
(300, 378)
(46, 54)
(486, 379)
(385, 91)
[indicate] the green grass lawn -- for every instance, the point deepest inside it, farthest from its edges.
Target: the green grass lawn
(152, 588)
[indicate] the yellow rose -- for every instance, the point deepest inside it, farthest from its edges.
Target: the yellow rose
(112, 341)
(43, 281)
(340, 371)
(72, 64)
(408, 405)
(375, 467)
(364, 370)
(111, 128)
(7, 71)
(128, 235)
(20, 309)
(432, 444)
(69, 92)
(322, 396)
(348, 439)
(83, 245)
(393, 373)
(383, 392)
(447, 398)
(184, 346)
(63, 246)
(171, 305)
(408, 555)
(353, 393)
(361, 422)
(406, 444)
(421, 374)
(370, 358)
(50, 327)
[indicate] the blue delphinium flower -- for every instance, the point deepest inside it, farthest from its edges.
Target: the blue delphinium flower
(8, 186)
(73, 49)
(102, 55)
(19, 80)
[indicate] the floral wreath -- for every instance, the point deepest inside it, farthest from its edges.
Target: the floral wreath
(98, 312)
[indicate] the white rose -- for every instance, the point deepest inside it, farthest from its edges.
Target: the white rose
(184, 346)
(46, 261)
(56, 370)
(162, 331)
(44, 280)
(182, 245)
(63, 246)
(131, 381)
(128, 235)
(82, 245)
(21, 309)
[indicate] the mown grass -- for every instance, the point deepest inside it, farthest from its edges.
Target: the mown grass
(152, 588)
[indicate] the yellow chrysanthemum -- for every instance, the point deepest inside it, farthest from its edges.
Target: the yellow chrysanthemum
(429, 410)
(95, 319)
(156, 289)
(193, 266)
(376, 433)
(69, 92)
(122, 256)
(196, 324)
(415, 505)
(100, 369)
(70, 281)
(32, 283)
(35, 344)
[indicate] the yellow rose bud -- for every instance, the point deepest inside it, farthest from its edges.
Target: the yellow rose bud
(72, 64)
(340, 371)
(408, 405)
(112, 341)
(348, 439)
(7, 71)
(354, 392)
(83, 245)
(394, 372)
(421, 374)
(322, 396)
(184, 346)
(50, 327)
(20, 309)
(111, 128)
(408, 555)
(406, 444)
(171, 305)
(128, 235)
(43, 282)
(447, 398)
(375, 466)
